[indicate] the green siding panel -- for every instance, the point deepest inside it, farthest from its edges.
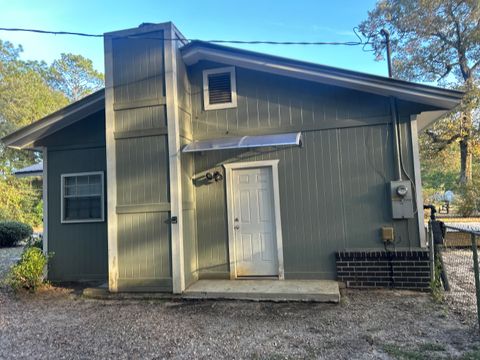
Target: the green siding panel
(333, 196)
(138, 68)
(80, 250)
(141, 163)
(269, 102)
(151, 117)
(184, 103)
(142, 170)
(87, 132)
(334, 190)
(144, 246)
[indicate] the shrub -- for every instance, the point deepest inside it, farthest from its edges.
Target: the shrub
(467, 200)
(35, 242)
(11, 232)
(28, 272)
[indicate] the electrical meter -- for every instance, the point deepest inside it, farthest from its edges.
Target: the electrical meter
(402, 199)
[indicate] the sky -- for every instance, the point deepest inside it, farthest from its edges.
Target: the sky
(292, 20)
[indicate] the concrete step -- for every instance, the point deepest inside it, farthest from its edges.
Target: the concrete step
(265, 290)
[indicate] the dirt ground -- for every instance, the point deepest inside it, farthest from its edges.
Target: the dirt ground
(59, 323)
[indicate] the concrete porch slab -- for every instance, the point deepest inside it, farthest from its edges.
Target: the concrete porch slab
(265, 290)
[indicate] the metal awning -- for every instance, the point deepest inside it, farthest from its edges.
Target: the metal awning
(242, 142)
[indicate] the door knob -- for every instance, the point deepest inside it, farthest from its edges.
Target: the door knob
(236, 220)
(236, 227)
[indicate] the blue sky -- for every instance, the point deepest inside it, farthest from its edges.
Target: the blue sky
(301, 20)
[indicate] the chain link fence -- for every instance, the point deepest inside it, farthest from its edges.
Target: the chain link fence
(459, 255)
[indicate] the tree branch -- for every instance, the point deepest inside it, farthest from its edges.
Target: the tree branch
(443, 143)
(474, 66)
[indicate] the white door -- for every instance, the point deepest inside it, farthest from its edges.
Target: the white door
(254, 222)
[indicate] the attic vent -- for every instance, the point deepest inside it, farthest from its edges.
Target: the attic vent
(219, 88)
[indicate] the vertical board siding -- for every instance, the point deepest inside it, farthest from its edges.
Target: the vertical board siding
(151, 117)
(189, 213)
(138, 68)
(190, 246)
(80, 250)
(334, 191)
(141, 163)
(142, 175)
(189, 219)
(266, 101)
(144, 246)
(333, 196)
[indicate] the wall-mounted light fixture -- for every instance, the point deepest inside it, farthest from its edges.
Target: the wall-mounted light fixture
(217, 176)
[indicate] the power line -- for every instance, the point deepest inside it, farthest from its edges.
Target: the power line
(360, 41)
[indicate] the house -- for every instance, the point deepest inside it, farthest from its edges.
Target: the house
(201, 161)
(35, 170)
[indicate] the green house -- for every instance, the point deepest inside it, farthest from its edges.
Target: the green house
(200, 161)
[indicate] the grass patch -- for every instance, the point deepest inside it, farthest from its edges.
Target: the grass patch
(431, 347)
(398, 353)
(423, 351)
(436, 285)
(473, 354)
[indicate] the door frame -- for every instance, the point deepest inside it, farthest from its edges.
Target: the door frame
(229, 168)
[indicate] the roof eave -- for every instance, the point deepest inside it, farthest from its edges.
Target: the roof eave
(429, 95)
(26, 137)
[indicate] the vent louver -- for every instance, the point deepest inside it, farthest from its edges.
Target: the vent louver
(219, 88)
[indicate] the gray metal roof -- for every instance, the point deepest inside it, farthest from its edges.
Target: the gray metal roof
(32, 170)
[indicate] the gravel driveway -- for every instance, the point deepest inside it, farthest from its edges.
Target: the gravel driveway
(59, 323)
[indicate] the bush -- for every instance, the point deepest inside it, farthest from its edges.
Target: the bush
(35, 242)
(11, 232)
(28, 272)
(467, 200)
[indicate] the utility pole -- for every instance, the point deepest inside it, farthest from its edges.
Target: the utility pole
(386, 34)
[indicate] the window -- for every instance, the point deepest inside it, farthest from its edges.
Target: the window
(82, 197)
(219, 88)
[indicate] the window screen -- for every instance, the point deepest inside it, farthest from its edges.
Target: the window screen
(82, 197)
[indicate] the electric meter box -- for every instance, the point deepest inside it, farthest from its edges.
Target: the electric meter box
(402, 199)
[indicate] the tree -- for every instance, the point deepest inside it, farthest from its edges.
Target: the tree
(25, 96)
(75, 76)
(436, 41)
(30, 90)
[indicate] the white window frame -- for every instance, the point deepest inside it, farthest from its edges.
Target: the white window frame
(62, 193)
(233, 87)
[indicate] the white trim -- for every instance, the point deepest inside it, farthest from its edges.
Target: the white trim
(229, 168)
(111, 169)
(418, 180)
(45, 205)
(233, 88)
(174, 150)
(62, 198)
